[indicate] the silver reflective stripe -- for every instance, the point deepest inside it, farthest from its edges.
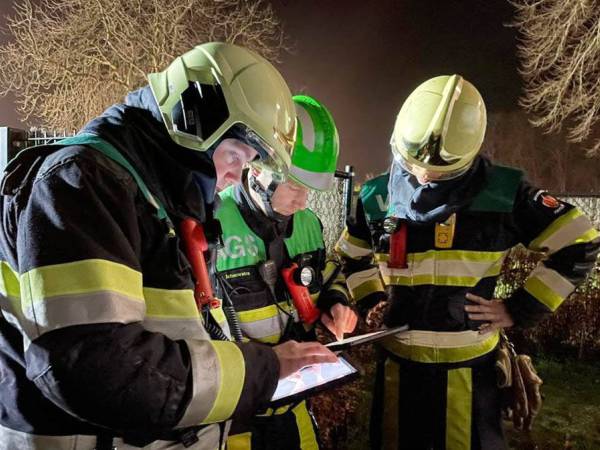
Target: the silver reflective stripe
(80, 309)
(563, 236)
(264, 328)
(358, 278)
(436, 267)
(16, 440)
(351, 250)
(177, 328)
(206, 375)
(320, 181)
(553, 280)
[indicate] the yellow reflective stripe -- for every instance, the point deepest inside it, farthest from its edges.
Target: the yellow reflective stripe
(273, 339)
(170, 303)
(314, 297)
(440, 280)
(9, 281)
(358, 278)
(444, 268)
(449, 255)
(306, 431)
(266, 312)
(354, 240)
(339, 288)
(242, 441)
(219, 315)
(569, 229)
(441, 354)
(232, 370)
(548, 286)
(459, 396)
(366, 288)
(80, 277)
(352, 247)
(391, 402)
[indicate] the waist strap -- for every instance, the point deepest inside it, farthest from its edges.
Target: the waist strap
(440, 347)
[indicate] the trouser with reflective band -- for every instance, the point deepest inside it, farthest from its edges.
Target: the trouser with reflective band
(449, 406)
(290, 427)
(17, 440)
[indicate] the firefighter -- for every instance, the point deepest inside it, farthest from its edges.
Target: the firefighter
(438, 226)
(267, 228)
(102, 344)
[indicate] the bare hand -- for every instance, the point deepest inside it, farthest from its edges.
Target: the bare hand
(376, 314)
(341, 319)
(294, 355)
(492, 311)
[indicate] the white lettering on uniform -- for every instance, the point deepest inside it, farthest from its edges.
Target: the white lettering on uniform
(382, 203)
(236, 247)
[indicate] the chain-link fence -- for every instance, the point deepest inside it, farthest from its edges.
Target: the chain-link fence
(332, 206)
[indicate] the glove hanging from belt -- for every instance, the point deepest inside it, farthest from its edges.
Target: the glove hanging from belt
(520, 385)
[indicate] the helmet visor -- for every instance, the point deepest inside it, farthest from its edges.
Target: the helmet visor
(421, 170)
(431, 175)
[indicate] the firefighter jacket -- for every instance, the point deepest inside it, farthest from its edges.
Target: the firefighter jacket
(429, 293)
(267, 314)
(250, 238)
(99, 331)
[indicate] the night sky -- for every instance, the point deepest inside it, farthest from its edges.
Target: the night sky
(362, 58)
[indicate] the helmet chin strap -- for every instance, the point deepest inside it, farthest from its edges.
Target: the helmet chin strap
(262, 187)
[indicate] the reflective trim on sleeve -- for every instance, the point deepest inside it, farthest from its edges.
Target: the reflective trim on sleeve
(440, 347)
(352, 247)
(569, 229)
(364, 283)
(9, 281)
(340, 288)
(170, 303)
(443, 268)
(81, 292)
(95, 307)
(80, 277)
(548, 286)
(218, 373)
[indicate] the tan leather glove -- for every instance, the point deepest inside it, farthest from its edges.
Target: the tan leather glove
(520, 407)
(376, 314)
(532, 383)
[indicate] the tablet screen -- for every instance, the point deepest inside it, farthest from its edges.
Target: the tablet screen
(312, 376)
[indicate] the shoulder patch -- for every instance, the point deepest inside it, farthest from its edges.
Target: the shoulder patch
(543, 201)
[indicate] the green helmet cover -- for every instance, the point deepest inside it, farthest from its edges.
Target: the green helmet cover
(315, 154)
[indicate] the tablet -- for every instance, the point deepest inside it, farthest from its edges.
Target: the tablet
(313, 379)
(344, 344)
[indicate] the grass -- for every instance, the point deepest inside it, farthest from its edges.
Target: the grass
(570, 417)
(569, 420)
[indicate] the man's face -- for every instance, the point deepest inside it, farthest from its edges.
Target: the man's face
(230, 157)
(289, 198)
(424, 176)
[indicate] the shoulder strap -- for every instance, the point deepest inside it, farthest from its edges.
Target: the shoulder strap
(108, 150)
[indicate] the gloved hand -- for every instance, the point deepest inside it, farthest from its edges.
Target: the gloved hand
(376, 315)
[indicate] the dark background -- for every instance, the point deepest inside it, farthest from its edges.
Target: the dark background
(362, 58)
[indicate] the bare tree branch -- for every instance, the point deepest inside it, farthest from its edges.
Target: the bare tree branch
(70, 59)
(560, 62)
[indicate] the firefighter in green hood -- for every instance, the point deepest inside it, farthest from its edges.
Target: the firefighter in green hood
(267, 232)
(426, 250)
